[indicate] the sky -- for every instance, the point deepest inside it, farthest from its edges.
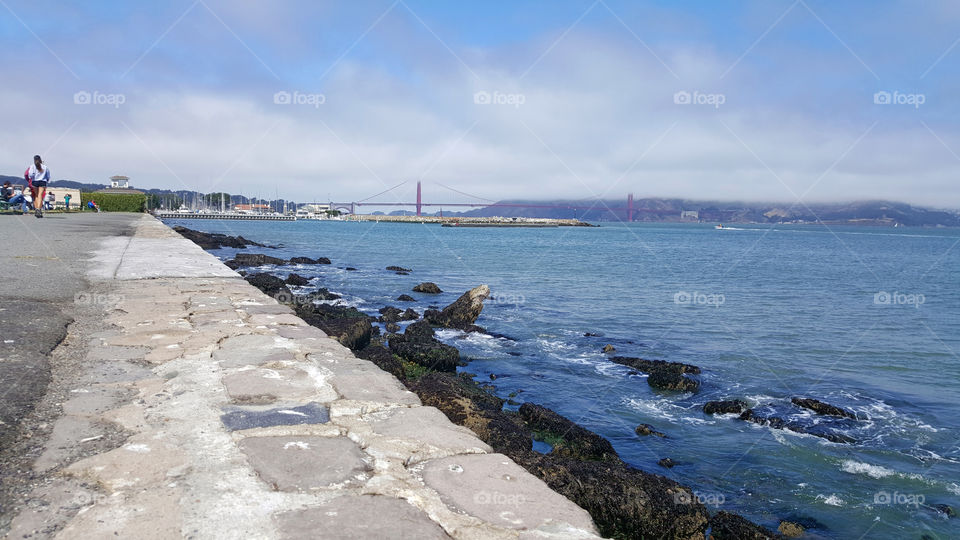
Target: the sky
(778, 101)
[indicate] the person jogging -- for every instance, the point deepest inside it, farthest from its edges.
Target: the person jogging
(37, 177)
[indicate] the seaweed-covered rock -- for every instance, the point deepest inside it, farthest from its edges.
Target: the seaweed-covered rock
(665, 379)
(406, 298)
(568, 438)
(297, 280)
(790, 529)
(463, 312)
(429, 354)
(350, 326)
(308, 260)
(731, 406)
(254, 259)
(399, 269)
(648, 366)
(609, 348)
(646, 429)
(383, 358)
(624, 502)
(270, 285)
(427, 288)
(466, 404)
(820, 407)
(215, 240)
(391, 314)
(727, 526)
(776, 422)
(666, 463)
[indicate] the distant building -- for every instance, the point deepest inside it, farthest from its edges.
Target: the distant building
(119, 184)
(689, 214)
(307, 209)
(251, 208)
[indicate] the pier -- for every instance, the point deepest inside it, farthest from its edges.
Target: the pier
(224, 215)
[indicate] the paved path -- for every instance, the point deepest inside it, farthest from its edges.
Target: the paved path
(240, 421)
(41, 264)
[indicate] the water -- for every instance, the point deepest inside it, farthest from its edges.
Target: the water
(791, 311)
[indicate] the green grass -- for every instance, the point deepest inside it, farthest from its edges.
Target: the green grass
(548, 437)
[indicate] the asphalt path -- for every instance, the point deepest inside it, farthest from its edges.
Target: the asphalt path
(42, 268)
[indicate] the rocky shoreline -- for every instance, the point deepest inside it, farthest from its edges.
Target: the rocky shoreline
(624, 501)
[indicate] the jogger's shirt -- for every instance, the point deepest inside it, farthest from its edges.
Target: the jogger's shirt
(36, 177)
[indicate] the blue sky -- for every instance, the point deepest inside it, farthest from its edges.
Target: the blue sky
(583, 97)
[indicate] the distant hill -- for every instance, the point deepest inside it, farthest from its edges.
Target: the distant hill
(653, 209)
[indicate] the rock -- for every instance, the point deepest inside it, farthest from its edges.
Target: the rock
(665, 379)
(214, 240)
(609, 348)
(428, 288)
(255, 259)
(297, 280)
(383, 358)
(349, 326)
(429, 354)
(666, 462)
(392, 327)
(733, 406)
(648, 366)
(592, 334)
(493, 377)
(624, 502)
(406, 298)
(776, 422)
(392, 314)
(568, 438)
(419, 331)
(647, 429)
(350, 269)
(790, 529)
(945, 509)
(727, 526)
(463, 312)
(308, 260)
(820, 407)
(270, 285)
(398, 269)
(465, 404)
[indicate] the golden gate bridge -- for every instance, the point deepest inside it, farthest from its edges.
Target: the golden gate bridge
(628, 211)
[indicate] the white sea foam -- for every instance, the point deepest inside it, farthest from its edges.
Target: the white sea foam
(831, 499)
(873, 471)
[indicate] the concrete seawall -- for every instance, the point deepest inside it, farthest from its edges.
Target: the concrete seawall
(229, 417)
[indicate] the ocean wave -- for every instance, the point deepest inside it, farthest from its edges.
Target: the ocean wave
(875, 471)
(831, 499)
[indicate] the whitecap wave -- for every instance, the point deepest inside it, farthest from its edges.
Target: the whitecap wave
(831, 499)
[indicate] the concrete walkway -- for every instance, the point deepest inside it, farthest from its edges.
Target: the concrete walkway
(241, 421)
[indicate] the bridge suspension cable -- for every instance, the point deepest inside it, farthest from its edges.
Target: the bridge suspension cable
(465, 193)
(384, 191)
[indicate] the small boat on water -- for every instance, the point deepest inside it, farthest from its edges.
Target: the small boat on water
(720, 226)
